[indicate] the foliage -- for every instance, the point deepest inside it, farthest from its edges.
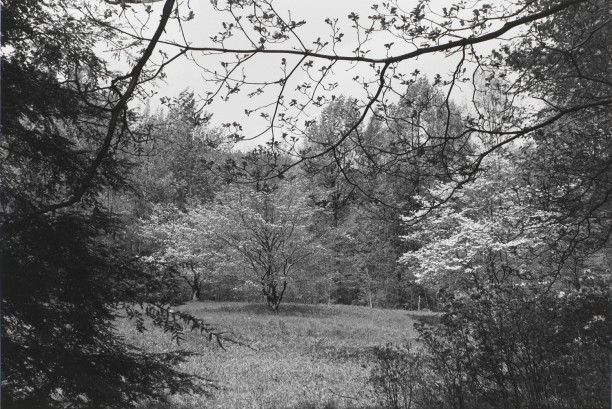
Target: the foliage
(560, 45)
(486, 354)
(177, 162)
(483, 353)
(66, 268)
(569, 161)
(329, 173)
(266, 230)
(185, 248)
(489, 232)
(506, 198)
(61, 279)
(398, 376)
(52, 114)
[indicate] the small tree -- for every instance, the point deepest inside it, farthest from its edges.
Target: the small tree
(489, 233)
(266, 229)
(186, 247)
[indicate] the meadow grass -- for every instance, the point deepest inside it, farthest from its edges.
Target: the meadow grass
(303, 357)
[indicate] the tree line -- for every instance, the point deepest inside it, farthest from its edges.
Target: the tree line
(493, 208)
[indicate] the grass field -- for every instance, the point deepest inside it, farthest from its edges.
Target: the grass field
(305, 356)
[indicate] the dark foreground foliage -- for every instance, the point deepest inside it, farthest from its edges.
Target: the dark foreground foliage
(61, 281)
(64, 268)
(509, 348)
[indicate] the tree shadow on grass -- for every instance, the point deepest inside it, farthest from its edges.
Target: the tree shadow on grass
(326, 405)
(285, 310)
(431, 318)
(300, 405)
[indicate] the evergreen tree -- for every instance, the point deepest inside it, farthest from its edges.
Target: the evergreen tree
(65, 269)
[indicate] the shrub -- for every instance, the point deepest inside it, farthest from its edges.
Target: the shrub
(512, 348)
(518, 348)
(397, 375)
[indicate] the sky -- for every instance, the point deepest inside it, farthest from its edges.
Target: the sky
(187, 74)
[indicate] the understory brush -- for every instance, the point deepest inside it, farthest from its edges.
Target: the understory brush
(511, 348)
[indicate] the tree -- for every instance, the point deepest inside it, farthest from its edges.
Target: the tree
(176, 162)
(186, 247)
(65, 268)
(488, 234)
(569, 161)
(392, 171)
(497, 256)
(266, 229)
(559, 46)
(386, 42)
(455, 31)
(526, 237)
(496, 253)
(333, 191)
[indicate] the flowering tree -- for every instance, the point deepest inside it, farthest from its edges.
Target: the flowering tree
(523, 324)
(186, 247)
(266, 230)
(489, 232)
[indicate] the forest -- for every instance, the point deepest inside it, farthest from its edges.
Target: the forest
(471, 194)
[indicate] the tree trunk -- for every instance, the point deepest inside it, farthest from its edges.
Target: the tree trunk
(369, 287)
(195, 290)
(273, 296)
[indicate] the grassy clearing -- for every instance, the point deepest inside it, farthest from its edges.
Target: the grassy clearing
(306, 356)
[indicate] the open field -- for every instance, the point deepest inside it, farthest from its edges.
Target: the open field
(305, 356)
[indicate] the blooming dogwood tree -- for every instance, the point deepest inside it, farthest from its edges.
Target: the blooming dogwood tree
(186, 246)
(488, 232)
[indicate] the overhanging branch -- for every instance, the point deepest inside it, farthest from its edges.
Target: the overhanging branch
(116, 111)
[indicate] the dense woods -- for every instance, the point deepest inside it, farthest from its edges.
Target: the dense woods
(484, 194)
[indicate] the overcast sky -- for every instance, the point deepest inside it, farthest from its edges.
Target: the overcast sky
(185, 74)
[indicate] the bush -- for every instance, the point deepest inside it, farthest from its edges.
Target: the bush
(513, 347)
(397, 376)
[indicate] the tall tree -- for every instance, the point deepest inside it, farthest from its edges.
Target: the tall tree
(328, 172)
(178, 164)
(386, 42)
(64, 265)
(334, 191)
(570, 162)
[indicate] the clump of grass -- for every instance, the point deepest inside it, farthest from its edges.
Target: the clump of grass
(304, 356)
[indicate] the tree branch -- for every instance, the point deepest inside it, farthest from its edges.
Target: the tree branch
(116, 111)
